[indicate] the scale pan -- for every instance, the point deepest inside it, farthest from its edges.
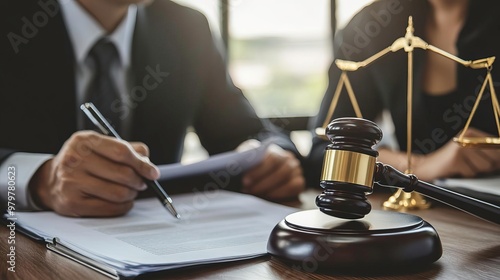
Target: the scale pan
(478, 142)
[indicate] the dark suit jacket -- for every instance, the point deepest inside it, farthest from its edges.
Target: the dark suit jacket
(37, 83)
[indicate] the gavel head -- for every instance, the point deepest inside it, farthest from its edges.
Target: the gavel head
(348, 168)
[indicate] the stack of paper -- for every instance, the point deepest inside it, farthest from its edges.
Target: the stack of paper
(486, 189)
(490, 185)
(230, 162)
(216, 226)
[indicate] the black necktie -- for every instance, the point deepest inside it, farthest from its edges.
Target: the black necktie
(102, 91)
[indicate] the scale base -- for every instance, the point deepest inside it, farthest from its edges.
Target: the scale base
(403, 201)
(379, 241)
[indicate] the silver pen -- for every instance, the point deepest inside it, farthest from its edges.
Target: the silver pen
(98, 120)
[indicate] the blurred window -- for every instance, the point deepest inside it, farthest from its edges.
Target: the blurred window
(279, 54)
(279, 50)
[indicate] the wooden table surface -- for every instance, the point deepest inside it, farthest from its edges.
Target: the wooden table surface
(471, 250)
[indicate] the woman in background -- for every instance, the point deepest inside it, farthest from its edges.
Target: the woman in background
(443, 92)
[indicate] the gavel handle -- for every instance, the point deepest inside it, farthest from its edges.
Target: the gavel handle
(388, 176)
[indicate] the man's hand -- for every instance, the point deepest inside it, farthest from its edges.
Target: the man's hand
(277, 177)
(93, 175)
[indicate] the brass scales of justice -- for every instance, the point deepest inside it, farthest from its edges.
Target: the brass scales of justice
(344, 234)
(403, 201)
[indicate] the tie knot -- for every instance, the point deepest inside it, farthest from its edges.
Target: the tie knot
(103, 53)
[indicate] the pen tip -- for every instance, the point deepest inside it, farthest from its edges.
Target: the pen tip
(171, 209)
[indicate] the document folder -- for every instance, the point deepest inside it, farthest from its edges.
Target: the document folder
(217, 226)
(81, 259)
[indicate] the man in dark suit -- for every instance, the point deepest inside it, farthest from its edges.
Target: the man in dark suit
(166, 75)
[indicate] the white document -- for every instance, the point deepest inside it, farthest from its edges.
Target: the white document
(489, 185)
(234, 162)
(215, 227)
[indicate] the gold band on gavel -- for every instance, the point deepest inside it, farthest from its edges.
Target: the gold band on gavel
(349, 167)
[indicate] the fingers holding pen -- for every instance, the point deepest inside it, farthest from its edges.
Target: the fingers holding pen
(141, 148)
(122, 152)
(105, 169)
(93, 175)
(79, 195)
(87, 142)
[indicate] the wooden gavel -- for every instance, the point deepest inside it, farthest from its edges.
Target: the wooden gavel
(350, 170)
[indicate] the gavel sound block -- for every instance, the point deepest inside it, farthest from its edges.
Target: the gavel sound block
(344, 234)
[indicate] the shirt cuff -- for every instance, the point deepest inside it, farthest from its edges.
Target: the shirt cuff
(24, 166)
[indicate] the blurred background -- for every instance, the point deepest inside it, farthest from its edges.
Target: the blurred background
(278, 52)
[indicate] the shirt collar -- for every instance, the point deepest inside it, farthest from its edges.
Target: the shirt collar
(84, 31)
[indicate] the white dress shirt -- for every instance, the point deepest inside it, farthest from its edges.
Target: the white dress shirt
(84, 31)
